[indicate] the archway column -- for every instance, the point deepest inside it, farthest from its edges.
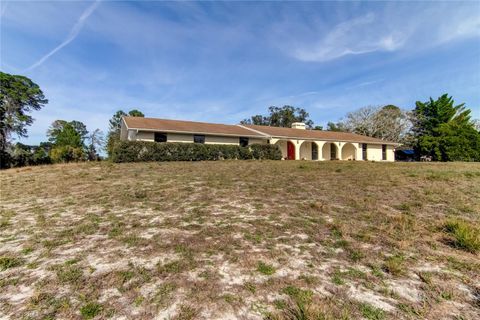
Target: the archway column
(297, 144)
(320, 149)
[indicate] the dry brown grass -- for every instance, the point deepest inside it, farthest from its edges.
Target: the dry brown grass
(238, 239)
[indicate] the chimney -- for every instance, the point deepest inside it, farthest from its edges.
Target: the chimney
(298, 125)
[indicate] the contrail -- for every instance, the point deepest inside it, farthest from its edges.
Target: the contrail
(71, 36)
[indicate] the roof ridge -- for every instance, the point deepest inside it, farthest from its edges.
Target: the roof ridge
(346, 135)
(262, 133)
(202, 122)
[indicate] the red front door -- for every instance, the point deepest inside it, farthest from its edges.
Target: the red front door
(290, 151)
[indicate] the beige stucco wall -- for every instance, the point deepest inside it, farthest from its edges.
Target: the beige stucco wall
(123, 131)
(390, 153)
(222, 140)
(145, 136)
(179, 137)
(188, 138)
(374, 152)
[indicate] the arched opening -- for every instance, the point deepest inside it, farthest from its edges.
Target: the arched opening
(329, 151)
(306, 150)
(290, 151)
(287, 148)
(314, 151)
(348, 152)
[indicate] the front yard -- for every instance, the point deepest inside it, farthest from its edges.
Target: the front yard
(241, 239)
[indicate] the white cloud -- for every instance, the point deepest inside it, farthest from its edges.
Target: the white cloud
(352, 37)
(385, 28)
(71, 36)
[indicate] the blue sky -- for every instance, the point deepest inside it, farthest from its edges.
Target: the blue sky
(222, 62)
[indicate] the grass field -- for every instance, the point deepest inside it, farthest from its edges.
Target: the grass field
(241, 239)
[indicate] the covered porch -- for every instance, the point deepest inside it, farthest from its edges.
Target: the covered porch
(296, 149)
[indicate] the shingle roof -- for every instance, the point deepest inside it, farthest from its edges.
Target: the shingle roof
(165, 125)
(315, 134)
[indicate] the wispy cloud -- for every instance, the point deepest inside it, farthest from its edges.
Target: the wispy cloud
(351, 37)
(71, 36)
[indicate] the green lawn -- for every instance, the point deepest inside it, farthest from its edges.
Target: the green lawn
(241, 239)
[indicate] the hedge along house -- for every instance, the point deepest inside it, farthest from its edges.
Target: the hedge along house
(296, 143)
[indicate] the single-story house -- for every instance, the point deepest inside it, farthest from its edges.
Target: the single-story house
(296, 143)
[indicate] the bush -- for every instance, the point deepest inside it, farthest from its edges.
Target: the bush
(135, 151)
(67, 154)
(90, 310)
(5, 160)
(266, 151)
(20, 155)
(464, 235)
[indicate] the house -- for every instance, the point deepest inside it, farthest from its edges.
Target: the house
(296, 143)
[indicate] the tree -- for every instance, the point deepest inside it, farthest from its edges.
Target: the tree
(445, 131)
(25, 155)
(64, 133)
(68, 140)
(339, 127)
(115, 125)
(96, 141)
(281, 117)
(387, 123)
(18, 96)
(80, 128)
(135, 113)
(476, 124)
(115, 121)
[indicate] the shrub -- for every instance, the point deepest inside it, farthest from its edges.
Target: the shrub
(20, 155)
(464, 235)
(370, 312)
(394, 265)
(90, 310)
(265, 269)
(67, 154)
(9, 262)
(137, 151)
(298, 295)
(266, 151)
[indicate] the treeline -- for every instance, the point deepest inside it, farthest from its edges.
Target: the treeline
(67, 141)
(437, 128)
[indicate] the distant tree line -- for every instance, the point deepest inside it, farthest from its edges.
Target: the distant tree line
(436, 128)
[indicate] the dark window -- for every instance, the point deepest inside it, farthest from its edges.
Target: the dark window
(384, 152)
(243, 142)
(364, 151)
(333, 152)
(198, 138)
(160, 137)
(314, 151)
